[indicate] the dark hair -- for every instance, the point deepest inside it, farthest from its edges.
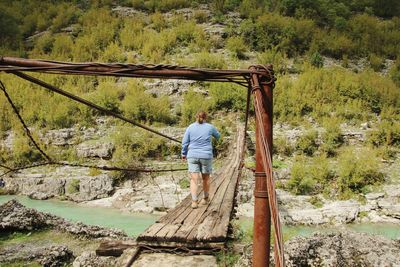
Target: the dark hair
(201, 116)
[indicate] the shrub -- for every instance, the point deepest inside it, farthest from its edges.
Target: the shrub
(141, 106)
(237, 46)
(158, 21)
(107, 95)
(310, 176)
(307, 143)
(184, 183)
(200, 16)
(275, 57)
(317, 60)
(283, 147)
(332, 138)
(386, 134)
(193, 102)
(23, 153)
(357, 170)
(375, 62)
(208, 60)
(73, 186)
(63, 47)
(227, 96)
(113, 54)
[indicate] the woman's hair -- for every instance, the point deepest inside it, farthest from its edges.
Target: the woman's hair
(201, 117)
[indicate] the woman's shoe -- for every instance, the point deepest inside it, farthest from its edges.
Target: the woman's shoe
(204, 201)
(194, 204)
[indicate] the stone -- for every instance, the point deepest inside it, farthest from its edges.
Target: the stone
(47, 256)
(167, 260)
(341, 211)
(60, 137)
(90, 259)
(15, 216)
(342, 249)
(95, 150)
(374, 196)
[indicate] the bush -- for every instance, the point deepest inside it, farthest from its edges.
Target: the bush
(200, 16)
(317, 60)
(357, 170)
(237, 46)
(275, 57)
(310, 176)
(307, 143)
(208, 60)
(283, 147)
(227, 96)
(113, 54)
(141, 106)
(332, 138)
(193, 102)
(386, 134)
(73, 186)
(376, 62)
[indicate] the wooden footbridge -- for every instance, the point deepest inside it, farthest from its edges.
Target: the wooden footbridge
(184, 227)
(207, 226)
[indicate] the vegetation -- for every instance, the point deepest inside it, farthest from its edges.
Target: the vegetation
(297, 37)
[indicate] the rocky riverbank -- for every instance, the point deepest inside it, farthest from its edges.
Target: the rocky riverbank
(336, 249)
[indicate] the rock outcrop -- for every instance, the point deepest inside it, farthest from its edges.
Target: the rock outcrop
(346, 249)
(15, 216)
(72, 183)
(47, 256)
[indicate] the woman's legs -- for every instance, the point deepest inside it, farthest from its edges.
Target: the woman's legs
(193, 185)
(206, 184)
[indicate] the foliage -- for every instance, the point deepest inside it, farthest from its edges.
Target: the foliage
(227, 96)
(209, 61)
(73, 186)
(386, 133)
(317, 60)
(331, 92)
(141, 106)
(316, 202)
(357, 170)
(237, 46)
(184, 183)
(309, 176)
(275, 57)
(307, 143)
(282, 146)
(332, 138)
(193, 102)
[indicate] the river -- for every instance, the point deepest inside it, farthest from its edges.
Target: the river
(135, 223)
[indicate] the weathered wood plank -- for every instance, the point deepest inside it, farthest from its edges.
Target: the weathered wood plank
(207, 224)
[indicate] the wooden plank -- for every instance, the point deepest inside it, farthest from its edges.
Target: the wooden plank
(207, 224)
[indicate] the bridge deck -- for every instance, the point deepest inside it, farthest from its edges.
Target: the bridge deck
(206, 226)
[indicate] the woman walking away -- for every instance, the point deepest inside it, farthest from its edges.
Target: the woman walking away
(197, 149)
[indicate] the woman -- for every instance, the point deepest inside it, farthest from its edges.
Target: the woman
(197, 149)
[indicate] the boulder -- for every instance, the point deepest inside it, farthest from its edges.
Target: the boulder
(345, 249)
(47, 256)
(95, 150)
(89, 258)
(15, 216)
(342, 249)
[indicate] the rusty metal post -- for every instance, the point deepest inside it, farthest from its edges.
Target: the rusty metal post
(262, 214)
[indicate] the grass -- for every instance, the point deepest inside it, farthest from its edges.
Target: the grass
(47, 237)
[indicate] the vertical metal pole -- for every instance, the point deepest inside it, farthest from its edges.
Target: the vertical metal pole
(262, 214)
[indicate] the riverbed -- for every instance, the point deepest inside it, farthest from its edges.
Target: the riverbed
(132, 223)
(135, 223)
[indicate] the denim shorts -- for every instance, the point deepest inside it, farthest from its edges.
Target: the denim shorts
(200, 165)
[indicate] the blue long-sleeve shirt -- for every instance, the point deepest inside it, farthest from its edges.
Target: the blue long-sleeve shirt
(196, 142)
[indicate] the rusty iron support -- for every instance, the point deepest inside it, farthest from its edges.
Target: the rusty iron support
(125, 70)
(262, 214)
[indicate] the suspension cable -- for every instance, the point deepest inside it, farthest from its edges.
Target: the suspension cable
(27, 131)
(88, 103)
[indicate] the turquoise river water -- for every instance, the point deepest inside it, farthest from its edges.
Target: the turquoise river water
(135, 223)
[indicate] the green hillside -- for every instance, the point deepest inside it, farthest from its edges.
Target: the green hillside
(337, 62)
